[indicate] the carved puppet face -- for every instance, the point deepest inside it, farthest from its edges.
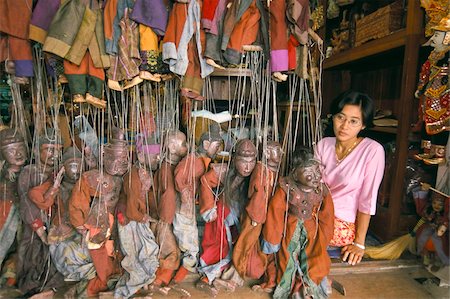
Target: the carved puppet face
(211, 148)
(273, 155)
(15, 154)
(177, 145)
(244, 165)
(151, 160)
(308, 176)
(49, 153)
(116, 162)
(437, 204)
(73, 169)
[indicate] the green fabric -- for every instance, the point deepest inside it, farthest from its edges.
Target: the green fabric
(297, 262)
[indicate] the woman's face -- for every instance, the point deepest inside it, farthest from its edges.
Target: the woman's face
(348, 123)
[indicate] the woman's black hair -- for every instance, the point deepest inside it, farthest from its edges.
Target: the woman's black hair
(355, 98)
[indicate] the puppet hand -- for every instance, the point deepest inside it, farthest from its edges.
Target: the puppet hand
(59, 177)
(352, 253)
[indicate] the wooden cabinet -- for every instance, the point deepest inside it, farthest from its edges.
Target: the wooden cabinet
(387, 69)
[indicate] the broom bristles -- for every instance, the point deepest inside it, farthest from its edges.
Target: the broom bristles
(391, 250)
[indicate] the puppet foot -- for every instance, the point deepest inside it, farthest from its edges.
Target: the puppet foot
(96, 102)
(46, 294)
(114, 85)
(279, 77)
(161, 290)
(133, 82)
(62, 79)
(204, 286)
(10, 67)
(224, 284)
(166, 77)
(211, 62)
(264, 287)
(183, 292)
(251, 48)
(21, 80)
(78, 98)
(149, 76)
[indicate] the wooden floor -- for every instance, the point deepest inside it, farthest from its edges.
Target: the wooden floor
(399, 279)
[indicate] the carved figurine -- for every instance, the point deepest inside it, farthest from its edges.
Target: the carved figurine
(38, 188)
(169, 253)
(222, 214)
(67, 248)
(13, 155)
(432, 236)
(187, 179)
(137, 240)
(299, 227)
(92, 205)
(248, 258)
(433, 87)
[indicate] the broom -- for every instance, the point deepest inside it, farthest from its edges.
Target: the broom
(393, 249)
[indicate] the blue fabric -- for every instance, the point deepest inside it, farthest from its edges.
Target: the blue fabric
(269, 248)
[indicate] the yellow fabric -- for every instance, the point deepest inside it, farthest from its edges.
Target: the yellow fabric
(148, 39)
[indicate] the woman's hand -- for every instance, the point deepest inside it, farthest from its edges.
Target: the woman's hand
(352, 254)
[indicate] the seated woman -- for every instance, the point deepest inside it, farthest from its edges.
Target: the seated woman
(353, 168)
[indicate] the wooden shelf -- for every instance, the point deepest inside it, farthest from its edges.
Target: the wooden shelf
(391, 130)
(392, 41)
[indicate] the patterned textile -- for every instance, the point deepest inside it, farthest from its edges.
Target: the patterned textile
(344, 233)
(8, 232)
(126, 64)
(72, 259)
(186, 232)
(141, 258)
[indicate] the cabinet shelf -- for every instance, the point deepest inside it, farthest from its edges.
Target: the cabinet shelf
(392, 41)
(391, 130)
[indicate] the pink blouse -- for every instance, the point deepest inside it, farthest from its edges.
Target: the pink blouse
(355, 181)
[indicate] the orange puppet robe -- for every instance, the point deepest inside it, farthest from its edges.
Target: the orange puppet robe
(79, 209)
(248, 258)
(187, 177)
(316, 232)
(216, 245)
(169, 253)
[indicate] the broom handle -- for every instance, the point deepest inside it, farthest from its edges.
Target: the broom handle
(426, 186)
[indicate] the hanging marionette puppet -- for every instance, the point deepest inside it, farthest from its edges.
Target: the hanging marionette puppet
(13, 153)
(432, 236)
(122, 44)
(434, 94)
(169, 254)
(187, 179)
(67, 248)
(138, 209)
(222, 218)
(92, 206)
(299, 226)
(248, 258)
(15, 48)
(38, 187)
(76, 34)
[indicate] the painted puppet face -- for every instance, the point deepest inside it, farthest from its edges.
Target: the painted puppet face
(15, 154)
(49, 153)
(116, 163)
(245, 165)
(73, 169)
(308, 176)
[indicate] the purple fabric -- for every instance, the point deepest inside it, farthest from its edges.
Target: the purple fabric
(24, 68)
(44, 12)
(279, 60)
(153, 14)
